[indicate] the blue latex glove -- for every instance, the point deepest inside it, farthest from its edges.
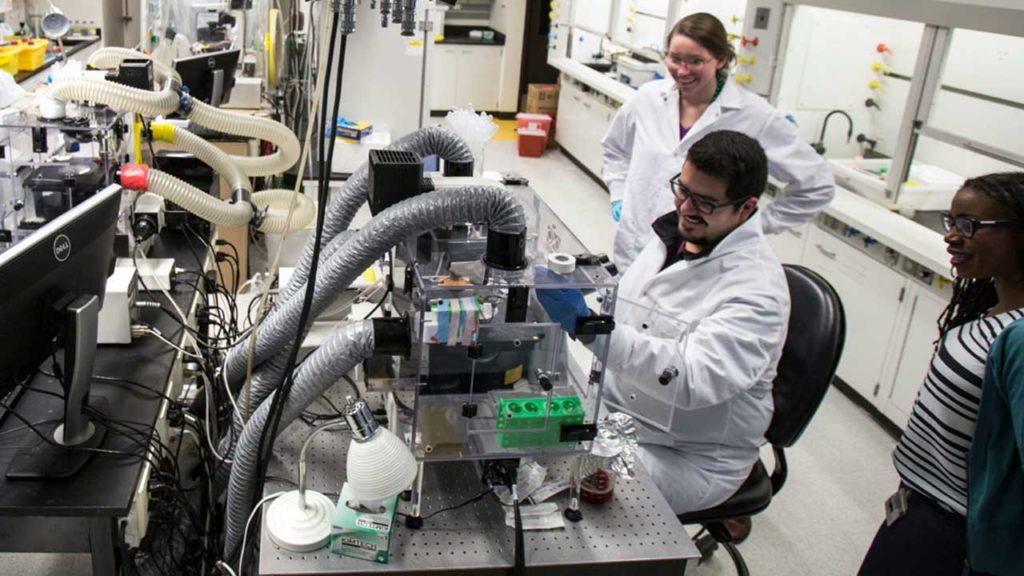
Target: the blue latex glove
(563, 305)
(617, 210)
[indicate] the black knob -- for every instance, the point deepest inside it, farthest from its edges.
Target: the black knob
(667, 375)
(544, 379)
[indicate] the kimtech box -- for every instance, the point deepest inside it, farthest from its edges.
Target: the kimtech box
(360, 534)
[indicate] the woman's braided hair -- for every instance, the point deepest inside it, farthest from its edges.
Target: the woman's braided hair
(972, 297)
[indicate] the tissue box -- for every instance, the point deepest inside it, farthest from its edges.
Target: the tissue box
(355, 130)
(360, 534)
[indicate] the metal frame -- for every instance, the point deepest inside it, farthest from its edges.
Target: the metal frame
(927, 70)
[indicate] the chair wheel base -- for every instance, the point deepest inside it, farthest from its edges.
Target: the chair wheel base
(706, 545)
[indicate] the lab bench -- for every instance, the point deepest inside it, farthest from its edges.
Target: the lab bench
(94, 510)
(77, 49)
(636, 530)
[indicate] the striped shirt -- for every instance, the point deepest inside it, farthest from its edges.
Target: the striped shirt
(931, 456)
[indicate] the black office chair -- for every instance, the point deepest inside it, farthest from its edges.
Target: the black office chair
(817, 330)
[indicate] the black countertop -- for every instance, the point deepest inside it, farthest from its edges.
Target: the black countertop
(457, 34)
(106, 485)
(69, 49)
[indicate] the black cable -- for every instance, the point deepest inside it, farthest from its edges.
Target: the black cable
(284, 388)
(352, 384)
(519, 568)
(472, 500)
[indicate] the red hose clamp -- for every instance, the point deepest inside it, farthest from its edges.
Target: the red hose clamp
(135, 176)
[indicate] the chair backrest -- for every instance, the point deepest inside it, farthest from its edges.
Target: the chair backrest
(817, 331)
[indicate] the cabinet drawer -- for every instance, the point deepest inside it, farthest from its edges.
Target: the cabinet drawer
(871, 293)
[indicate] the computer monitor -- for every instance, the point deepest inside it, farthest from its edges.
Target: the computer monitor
(209, 77)
(51, 289)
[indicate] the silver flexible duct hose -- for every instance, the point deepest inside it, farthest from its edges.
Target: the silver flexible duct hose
(264, 380)
(344, 350)
(344, 205)
(493, 205)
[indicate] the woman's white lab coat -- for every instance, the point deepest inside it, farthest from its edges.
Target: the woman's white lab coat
(642, 151)
(720, 322)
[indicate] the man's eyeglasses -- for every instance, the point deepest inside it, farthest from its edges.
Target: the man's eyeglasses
(703, 205)
(966, 226)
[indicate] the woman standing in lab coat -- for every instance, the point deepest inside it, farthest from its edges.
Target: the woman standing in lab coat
(651, 133)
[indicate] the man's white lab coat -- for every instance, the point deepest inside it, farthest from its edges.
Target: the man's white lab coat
(720, 322)
(642, 151)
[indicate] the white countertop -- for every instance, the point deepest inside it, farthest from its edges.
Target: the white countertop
(596, 80)
(903, 235)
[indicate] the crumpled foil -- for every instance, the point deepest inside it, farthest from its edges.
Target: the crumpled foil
(616, 444)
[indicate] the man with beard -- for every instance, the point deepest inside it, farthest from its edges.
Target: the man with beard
(700, 322)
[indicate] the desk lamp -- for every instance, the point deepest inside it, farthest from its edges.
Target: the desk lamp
(300, 520)
(379, 464)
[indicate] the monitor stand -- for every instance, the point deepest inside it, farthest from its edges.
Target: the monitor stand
(76, 434)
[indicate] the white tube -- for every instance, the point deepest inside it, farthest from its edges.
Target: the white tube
(198, 202)
(276, 203)
(112, 56)
(288, 148)
(117, 96)
(213, 156)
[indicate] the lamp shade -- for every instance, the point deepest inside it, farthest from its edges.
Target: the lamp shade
(380, 466)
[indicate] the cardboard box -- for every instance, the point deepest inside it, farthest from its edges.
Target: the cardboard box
(355, 130)
(361, 534)
(542, 99)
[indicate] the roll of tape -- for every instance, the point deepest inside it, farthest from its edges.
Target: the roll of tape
(561, 263)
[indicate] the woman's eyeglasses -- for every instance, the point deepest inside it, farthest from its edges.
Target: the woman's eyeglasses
(691, 62)
(967, 226)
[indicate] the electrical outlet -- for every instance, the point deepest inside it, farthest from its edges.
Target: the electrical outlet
(761, 18)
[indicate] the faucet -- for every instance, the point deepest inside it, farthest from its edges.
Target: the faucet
(864, 140)
(819, 146)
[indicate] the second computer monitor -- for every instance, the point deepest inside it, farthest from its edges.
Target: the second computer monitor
(209, 77)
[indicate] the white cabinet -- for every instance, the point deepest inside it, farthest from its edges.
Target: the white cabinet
(789, 244)
(583, 119)
(916, 354)
(465, 74)
(444, 73)
(871, 293)
(479, 77)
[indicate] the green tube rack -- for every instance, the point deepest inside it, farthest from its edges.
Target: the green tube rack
(517, 415)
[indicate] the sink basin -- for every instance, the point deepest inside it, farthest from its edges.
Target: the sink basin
(928, 188)
(601, 67)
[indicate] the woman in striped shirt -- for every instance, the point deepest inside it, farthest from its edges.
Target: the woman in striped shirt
(925, 527)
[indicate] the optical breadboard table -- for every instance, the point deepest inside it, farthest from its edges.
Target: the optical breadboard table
(634, 531)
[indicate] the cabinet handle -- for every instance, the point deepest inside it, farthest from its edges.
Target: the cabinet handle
(576, 98)
(587, 105)
(827, 253)
(795, 232)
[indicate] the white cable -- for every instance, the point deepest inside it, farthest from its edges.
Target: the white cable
(156, 333)
(225, 568)
(206, 430)
(184, 319)
(227, 389)
(241, 557)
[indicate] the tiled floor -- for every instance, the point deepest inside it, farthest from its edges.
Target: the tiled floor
(840, 470)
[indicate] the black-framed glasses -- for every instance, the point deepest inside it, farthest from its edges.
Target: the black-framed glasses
(967, 226)
(703, 204)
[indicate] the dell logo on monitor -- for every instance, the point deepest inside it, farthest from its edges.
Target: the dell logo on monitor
(61, 248)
